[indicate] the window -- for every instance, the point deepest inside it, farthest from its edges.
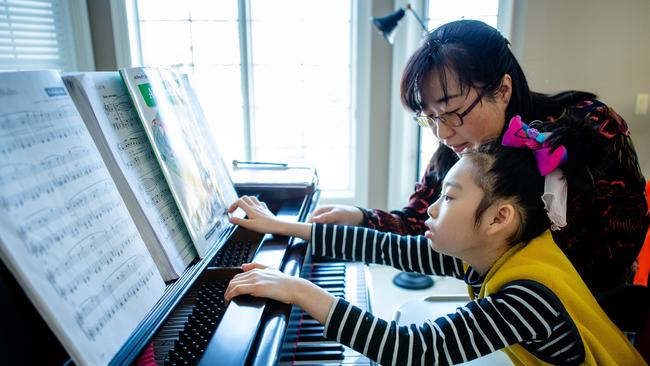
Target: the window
(439, 13)
(273, 76)
(44, 34)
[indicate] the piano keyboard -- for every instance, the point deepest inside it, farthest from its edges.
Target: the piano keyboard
(304, 342)
(235, 253)
(186, 333)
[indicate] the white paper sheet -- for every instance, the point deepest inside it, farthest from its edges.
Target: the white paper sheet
(64, 230)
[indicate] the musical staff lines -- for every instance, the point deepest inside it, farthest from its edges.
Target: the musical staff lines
(130, 144)
(65, 232)
(124, 284)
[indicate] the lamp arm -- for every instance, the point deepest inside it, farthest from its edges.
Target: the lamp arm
(420, 21)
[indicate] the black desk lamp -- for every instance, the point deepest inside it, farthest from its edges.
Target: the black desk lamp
(387, 26)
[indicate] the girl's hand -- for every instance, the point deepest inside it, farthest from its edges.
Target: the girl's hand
(260, 218)
(260, 281)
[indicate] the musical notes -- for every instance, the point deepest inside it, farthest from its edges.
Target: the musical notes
(126, 283)
(128, 146)
(65, 231)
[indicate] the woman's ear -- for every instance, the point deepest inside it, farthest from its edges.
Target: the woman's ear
(505, 89)
(502, 220)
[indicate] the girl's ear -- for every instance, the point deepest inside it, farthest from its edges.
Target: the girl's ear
(505, 90)
(501, 220)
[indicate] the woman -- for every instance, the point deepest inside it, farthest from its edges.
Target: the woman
(464, 83)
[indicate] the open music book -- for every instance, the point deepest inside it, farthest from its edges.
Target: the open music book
(96, 213)
(191, 163)
(105, 106)
(65, 232)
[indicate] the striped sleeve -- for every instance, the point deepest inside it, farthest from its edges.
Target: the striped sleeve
(406, 253)
(518, 314)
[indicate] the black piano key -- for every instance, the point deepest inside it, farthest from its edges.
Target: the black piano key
(306, 338)
(307, 330)
(325, 355)
(330, 284)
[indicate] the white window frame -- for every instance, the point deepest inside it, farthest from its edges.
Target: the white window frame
(81, 38)
(75, 19)
(404, 147)
(127, 50)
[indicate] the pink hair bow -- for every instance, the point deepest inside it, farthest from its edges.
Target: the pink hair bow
(520, 135)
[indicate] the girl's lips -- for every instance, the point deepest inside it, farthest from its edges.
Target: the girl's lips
(428, 234)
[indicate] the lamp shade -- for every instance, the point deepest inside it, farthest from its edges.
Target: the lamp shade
(387, 24)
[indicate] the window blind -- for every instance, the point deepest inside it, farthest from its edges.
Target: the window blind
(35, 34)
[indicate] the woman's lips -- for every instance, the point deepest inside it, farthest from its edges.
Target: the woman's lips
(459, 148)
(428, 234)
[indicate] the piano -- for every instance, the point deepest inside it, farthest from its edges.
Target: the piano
(191, 325)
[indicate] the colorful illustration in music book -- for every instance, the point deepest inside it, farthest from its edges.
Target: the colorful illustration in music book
(190, 162)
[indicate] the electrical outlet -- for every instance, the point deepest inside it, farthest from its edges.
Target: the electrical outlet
(641, 108)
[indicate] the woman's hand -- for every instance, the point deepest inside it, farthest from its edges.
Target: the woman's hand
(261, 219)
(260, 281)
(338, 214)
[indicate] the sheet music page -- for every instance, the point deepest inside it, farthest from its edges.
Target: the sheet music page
(120, 128)
(64, 230)
(200, 184)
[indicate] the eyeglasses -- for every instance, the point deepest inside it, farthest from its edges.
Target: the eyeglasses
(453, 119)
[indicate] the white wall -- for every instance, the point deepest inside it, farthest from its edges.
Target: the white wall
(600, 46)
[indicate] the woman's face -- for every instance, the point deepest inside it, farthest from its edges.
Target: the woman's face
(483, 123)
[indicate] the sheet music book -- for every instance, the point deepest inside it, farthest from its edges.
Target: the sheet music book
(105, 106)
(65, 232)
(191, 163)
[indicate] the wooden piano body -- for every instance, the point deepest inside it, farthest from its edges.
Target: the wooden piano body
(188, 324)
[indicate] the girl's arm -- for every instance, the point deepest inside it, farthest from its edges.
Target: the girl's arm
(408, 253)
(261, 219)
(526, 313)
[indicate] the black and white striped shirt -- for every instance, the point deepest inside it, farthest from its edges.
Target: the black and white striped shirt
(524, 312)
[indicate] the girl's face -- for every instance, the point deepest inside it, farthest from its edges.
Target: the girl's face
(483, 123)
(450, 227)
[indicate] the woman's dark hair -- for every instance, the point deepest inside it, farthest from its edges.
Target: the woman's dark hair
(508, 173)
(479, 56)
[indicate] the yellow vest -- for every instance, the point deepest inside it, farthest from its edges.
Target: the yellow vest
(541, 260)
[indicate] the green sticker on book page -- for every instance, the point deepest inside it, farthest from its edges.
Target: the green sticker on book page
(147, 94)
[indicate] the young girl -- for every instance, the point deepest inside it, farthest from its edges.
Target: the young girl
(489, 228)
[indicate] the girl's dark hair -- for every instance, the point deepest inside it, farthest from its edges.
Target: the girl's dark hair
(511, 173)
(507, 173)
(479, 56)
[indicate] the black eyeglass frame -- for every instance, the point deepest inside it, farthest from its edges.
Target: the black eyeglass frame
(430, 120)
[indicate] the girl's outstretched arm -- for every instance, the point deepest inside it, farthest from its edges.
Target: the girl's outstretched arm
(261, 219)
(522, 312)
(260, 281)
